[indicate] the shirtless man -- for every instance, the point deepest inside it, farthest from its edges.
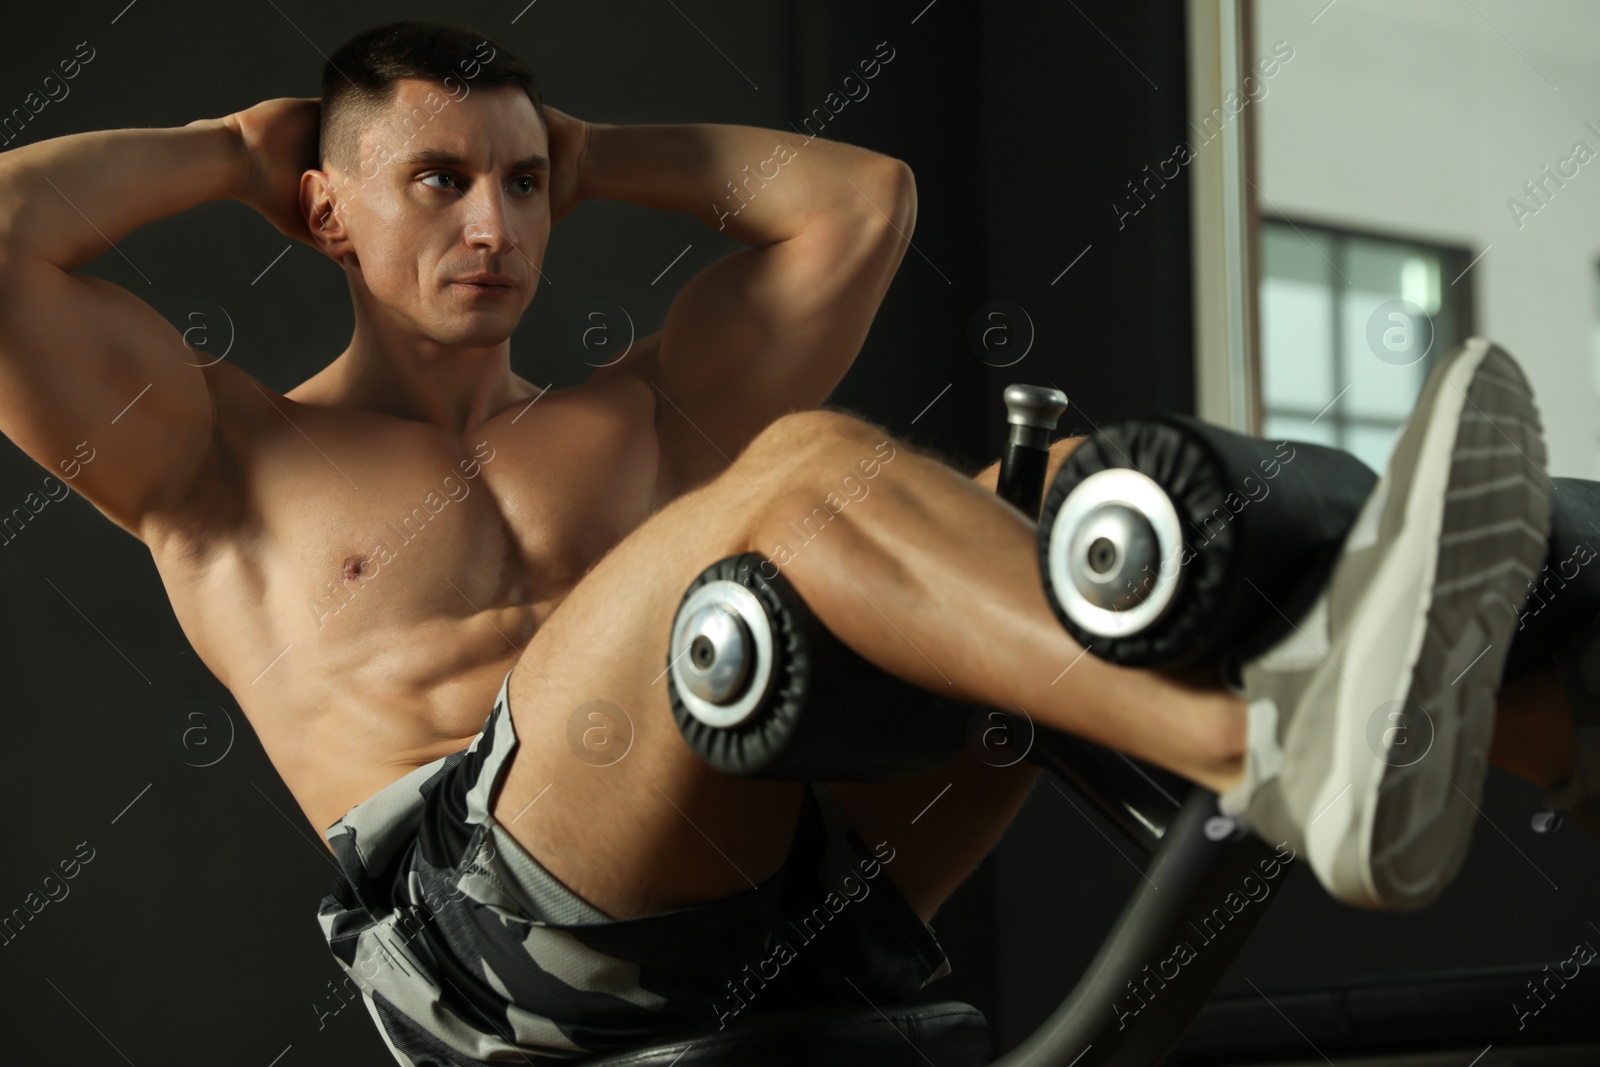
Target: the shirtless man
(454, 530)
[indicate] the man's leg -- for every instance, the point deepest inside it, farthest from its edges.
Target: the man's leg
(1534, 736)
(658, 829)
(961, 810)
(926, 573)
(945, 821)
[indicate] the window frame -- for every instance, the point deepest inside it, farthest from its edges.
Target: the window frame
(1457, 310)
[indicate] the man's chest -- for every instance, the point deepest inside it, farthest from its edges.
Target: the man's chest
(366, 532)
(436, 528)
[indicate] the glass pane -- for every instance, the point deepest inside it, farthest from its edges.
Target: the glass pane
(1371, 444)
(1385, 345)
(1287, 428)
(1296, 320)
(1297, 253)
(1297, 344)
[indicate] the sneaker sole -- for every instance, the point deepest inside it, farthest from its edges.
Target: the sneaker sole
(1428, 634)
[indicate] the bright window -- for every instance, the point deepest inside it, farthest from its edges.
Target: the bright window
(1350, 325)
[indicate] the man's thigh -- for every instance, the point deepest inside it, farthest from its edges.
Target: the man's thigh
(943, 822)
(602, 789)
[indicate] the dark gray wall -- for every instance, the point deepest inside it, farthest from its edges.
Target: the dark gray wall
(191, 933)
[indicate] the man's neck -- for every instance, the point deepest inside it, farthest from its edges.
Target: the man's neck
(456, 390)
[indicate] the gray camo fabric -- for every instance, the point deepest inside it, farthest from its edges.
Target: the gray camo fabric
(466, 949)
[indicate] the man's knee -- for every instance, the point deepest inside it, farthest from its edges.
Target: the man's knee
(1059, 451)
(802, 436)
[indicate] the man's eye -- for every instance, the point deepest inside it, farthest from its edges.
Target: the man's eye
(440, 174)
(533, 183)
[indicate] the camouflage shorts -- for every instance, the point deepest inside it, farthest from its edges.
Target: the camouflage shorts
(465, 948)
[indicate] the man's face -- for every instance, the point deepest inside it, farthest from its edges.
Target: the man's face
(448, 186)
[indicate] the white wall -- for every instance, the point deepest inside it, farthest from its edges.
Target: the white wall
(1422, 119)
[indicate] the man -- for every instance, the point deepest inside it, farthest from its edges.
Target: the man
(506, 890)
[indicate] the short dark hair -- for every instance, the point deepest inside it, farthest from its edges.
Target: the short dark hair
(358, 80)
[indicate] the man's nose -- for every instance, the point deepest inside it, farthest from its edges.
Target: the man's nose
(486, 219)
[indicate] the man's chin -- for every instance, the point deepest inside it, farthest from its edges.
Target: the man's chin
(462, 334)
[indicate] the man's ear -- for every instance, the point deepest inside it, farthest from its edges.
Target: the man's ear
(322, 205)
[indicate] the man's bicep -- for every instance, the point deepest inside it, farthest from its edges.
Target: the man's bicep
(763, 332)
(88, 369)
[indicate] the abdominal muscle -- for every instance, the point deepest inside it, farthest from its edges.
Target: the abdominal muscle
(338, 737)
(345, 709)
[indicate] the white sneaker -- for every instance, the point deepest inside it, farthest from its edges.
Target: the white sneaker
(1370, 724)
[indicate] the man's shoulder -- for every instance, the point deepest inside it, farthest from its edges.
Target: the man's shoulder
(214, 511)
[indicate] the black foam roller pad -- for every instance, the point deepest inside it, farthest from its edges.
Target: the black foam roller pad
(1262, 522)
(831, 715)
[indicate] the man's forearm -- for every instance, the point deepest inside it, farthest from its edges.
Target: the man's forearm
(757, 185)
(67, 199)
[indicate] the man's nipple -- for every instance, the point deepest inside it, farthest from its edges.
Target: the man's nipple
(354, 568)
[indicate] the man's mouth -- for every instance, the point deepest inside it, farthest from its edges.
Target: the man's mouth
(486, 285)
